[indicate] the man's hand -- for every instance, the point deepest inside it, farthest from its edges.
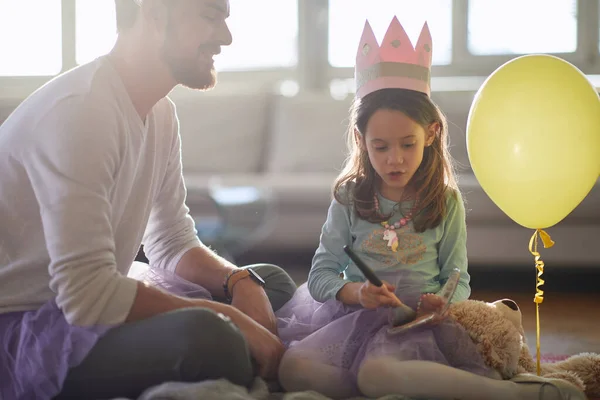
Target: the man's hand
(265, 347)
(251, 299)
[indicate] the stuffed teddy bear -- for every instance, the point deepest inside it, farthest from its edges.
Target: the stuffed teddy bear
(497, 330)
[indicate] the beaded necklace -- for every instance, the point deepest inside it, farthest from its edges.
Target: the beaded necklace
(390, 234)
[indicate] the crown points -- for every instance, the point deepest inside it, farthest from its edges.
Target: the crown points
(424, 46)
(394, 64)
(396, 46)
(368, 51)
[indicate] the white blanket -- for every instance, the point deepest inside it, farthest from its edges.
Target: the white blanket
(535, 388)
(224, 390)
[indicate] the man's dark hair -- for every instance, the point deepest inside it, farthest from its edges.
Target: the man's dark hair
(126, 11)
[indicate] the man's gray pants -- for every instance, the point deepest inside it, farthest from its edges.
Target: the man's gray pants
(189, 345)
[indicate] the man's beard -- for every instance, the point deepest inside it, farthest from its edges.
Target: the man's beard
(187, 71)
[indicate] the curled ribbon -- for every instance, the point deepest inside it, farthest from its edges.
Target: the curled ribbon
(539, 295)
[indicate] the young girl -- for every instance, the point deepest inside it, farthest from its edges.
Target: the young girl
(398, 207)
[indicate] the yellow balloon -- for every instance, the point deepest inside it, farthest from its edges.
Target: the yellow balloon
(533, 139)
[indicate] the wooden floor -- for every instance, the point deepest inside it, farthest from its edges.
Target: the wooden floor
(569, 322)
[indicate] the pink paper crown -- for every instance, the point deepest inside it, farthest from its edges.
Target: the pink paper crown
(394, 64)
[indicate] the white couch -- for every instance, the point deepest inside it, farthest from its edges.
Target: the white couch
(293, 147)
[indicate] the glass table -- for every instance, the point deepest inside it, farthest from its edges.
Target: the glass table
(245, 216)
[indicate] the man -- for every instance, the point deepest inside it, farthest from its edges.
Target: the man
(91, 169)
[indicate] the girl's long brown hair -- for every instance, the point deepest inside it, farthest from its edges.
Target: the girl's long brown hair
(434, 177)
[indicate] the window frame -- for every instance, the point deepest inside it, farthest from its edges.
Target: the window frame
(465, 65)
(313, 71)
(16, 88)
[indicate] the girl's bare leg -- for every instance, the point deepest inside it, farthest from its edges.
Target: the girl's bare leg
(423, 379)
(301, 371)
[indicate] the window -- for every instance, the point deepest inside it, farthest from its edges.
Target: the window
(265, 35)
(518, 27)
(31, 33)
(259, 41)
(347, 20)
(96, 29)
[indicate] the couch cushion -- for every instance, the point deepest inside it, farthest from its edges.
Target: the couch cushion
(222, 133)
(308, 134)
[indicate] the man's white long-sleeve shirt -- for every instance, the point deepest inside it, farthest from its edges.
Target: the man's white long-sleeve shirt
(83, 182)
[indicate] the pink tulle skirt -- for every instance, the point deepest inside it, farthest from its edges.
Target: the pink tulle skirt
(39, 347)
(344, 336)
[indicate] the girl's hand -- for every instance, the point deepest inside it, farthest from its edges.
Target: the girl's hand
(371, 296)
(432, 303)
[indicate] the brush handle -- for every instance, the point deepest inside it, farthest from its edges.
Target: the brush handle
(367, 272)
(401, 313)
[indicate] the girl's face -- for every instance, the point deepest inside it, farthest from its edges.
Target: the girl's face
(395, 144)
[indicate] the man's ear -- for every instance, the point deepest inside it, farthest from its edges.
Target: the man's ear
(432, 131)
(156, 12)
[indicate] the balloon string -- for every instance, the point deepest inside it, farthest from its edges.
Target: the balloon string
(539, 295)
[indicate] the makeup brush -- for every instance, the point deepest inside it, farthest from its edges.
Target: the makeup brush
(401, 313)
